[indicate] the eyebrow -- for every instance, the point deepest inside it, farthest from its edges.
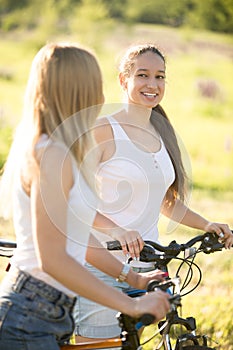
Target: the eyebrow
(146, 70)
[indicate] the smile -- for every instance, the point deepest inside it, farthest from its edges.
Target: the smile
(149, 94)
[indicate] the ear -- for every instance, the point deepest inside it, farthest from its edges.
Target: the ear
(123, 81)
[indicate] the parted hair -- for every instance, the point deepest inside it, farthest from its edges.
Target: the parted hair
(161, 123)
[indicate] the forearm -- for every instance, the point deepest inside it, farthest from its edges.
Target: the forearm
(130, 240)
(82, 282)
(105, 225)
(103, 260)
(185, 216)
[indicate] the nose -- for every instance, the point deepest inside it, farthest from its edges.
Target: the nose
(152, 83)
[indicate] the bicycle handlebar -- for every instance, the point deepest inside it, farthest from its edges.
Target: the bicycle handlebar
(209, 244)
(7, 248)
(7, 244)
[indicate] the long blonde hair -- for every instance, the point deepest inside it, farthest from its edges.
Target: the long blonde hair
(64, 89)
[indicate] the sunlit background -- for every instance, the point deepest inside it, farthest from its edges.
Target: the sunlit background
(196, 38)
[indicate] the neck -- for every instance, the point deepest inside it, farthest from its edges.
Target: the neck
(138, 115)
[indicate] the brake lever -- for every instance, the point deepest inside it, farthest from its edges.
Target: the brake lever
(211, 244)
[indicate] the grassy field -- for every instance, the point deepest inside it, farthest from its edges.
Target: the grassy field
(198, 96)
(199, 102)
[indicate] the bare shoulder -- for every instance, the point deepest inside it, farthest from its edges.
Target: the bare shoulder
(54, 152)
(103, 130)
(55, 162)
(105, 139)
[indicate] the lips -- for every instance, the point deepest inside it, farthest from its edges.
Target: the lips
(149, 94)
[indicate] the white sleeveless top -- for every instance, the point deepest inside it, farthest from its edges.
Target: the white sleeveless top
(80, 215)
(133, 184)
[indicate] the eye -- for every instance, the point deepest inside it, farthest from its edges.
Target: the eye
(142, 75)
(160, 77)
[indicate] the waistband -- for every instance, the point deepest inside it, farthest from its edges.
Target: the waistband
(23, 282)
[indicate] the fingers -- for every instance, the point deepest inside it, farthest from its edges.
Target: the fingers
(227, 238)
(156, 303)
(145, 277)
(155, 275)
(131, 244)
(163, 305)
(224, 233)
(131, 248)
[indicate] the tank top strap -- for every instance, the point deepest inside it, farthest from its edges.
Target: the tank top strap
(44, 141)
(118, 131)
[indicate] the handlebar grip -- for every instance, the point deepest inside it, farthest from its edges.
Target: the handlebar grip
(7, 244)
(7, 248)
(145, 320)
(113, 245)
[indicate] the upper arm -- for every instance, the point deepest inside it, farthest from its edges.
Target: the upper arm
(49, 196)
(104, 138)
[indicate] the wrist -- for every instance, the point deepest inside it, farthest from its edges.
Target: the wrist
(124, 273)
(206, 226)
(136, 308)
(133, 279)
(117, 232)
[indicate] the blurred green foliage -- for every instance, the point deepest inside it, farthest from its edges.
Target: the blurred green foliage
(216, 15)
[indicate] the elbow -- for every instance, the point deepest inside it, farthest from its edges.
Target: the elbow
(46, 264)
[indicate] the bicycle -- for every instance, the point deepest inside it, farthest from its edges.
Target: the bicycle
(129, 339)
(161, 256)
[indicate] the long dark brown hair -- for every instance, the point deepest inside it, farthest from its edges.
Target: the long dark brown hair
(162, 124)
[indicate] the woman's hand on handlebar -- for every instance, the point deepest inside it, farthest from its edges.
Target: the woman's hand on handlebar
(131, 242)
(155, 303)
(144, 278)
(223, 231)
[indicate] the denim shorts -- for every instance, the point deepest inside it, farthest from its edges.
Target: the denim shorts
(33, 314)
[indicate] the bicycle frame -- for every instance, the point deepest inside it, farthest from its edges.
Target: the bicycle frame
(101, 344)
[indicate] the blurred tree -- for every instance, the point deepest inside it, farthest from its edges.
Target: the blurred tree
(169, 12)
(116, 9)
(90, 17)
(10, 5)
(216, 15)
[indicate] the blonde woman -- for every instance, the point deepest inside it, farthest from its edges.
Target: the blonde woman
(49, 177)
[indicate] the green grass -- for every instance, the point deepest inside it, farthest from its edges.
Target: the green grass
(204, 124)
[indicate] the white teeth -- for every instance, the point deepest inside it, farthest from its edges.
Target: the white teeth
(148, 94)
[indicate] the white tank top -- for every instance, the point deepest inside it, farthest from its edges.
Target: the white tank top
(80, 215)
(133, 184)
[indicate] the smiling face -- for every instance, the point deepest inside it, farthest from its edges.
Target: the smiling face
(145, 83)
